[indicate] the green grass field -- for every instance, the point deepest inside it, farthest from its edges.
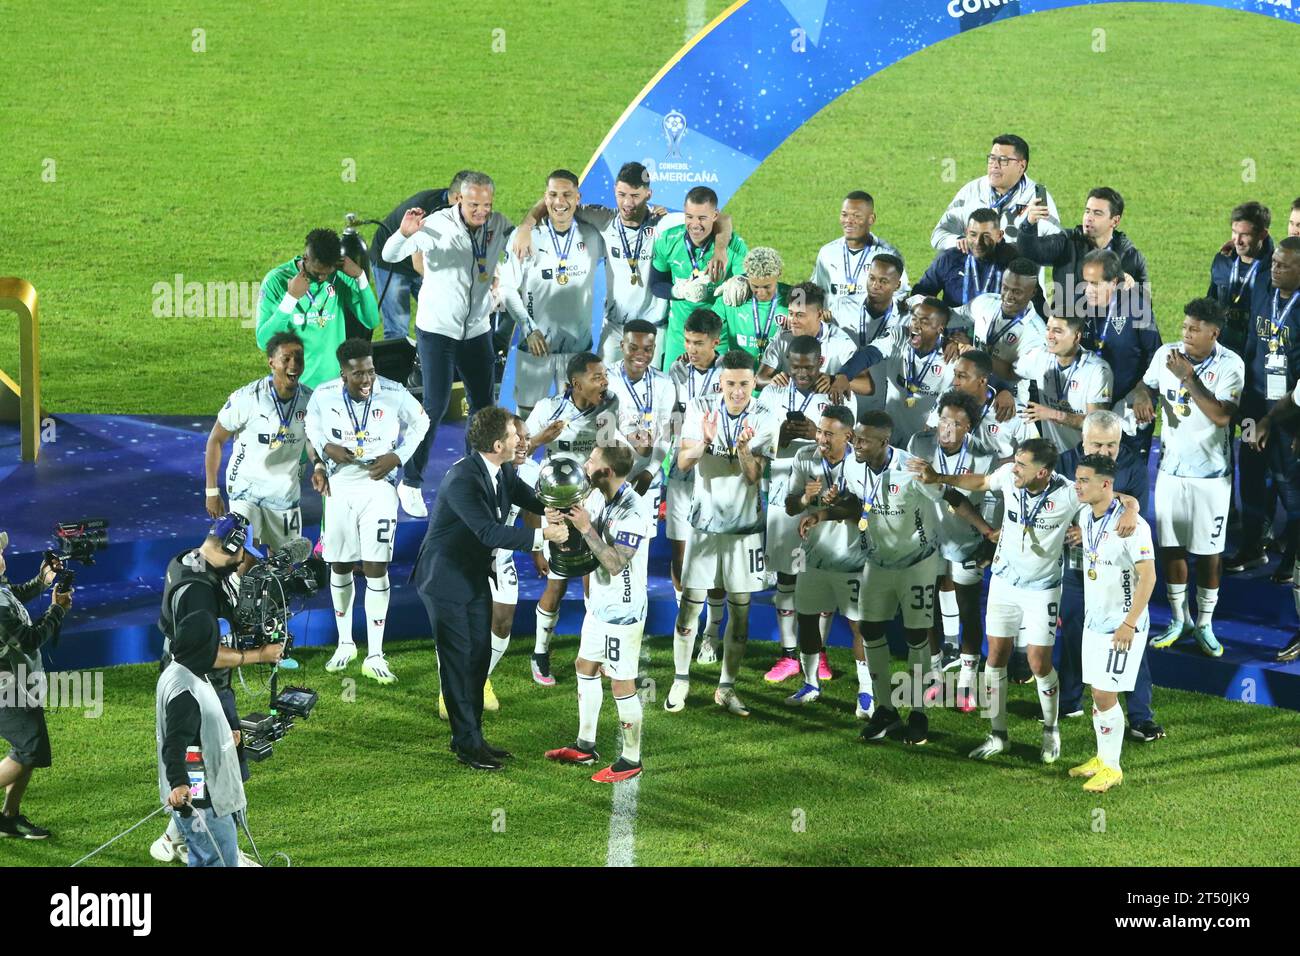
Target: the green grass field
(370, 782)
(215, 164)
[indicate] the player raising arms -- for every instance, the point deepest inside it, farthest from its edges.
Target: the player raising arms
(726, 441)
(366, 427)
(1121, 575)
(617, 525)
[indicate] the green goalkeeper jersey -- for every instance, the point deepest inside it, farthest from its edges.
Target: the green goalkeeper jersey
(753, 325)
(673, 254)
(317, 317)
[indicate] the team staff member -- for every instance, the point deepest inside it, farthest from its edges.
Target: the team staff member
(958, 277)
(1238, 267)
(461, 247)
(1006, 189)
(308, 295)
(23, 724)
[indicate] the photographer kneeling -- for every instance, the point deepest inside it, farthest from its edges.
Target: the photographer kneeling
(22, 718)
(198, 591)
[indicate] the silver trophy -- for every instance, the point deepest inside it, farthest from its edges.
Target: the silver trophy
(561, 485)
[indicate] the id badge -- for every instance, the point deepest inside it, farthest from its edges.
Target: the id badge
(1074, 558)
(1275, 369)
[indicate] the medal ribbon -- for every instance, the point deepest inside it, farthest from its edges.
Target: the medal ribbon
(1094, 538)
(1026, 517)
(1245, 283)
(632, 256)
(732, 433)
(283, 415)
(865, 317)
(691, 250)
(708, 378)
(562, 257)
(851, 272)
(994, 338)
(647, 408)
(360, 428)
(761, 335)
(961, 458)
(875, 481)
(971, 276)
(914, 378)
(1275, 321)
(480, 252)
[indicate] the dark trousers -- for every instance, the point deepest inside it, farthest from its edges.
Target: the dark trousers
(1070, 667)
(231, 709)
(462, 632)
(441, 358)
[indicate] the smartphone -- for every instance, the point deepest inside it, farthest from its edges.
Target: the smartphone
(1040, 194)
(794, 415)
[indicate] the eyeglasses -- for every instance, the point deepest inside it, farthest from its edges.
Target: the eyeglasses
(1003, 160)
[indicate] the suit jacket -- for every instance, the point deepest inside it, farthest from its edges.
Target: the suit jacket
(467, 523)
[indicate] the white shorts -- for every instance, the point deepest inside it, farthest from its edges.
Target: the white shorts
(361, 524)
(1192, 513)
(884, 591)
(272, 528)
(783, 540)
(1108, 669)
(679, 509)
(505, 589)
(1010, 607)
(733, 562)
(818, 592)
(966, 572)
(617, 646)
(536, 376)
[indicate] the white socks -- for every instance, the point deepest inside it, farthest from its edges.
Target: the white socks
(1177, 602)
(824, 621)
(1206, 600)
(629, 715)
(1109, 725)
(951, 616)
(590, 694)
(376, 613)
(969, 666)
(734, 638)
(545, 629)
(688, 621)
(995, 689)
(878, 665)
(713, 619)
(783, 601)
(1048, 698)
(810, 664)
(864, 678)
(918, 664)
(341, 594)
(499, 645)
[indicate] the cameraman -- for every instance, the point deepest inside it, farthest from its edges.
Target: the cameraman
(198, 582)
(23, 723)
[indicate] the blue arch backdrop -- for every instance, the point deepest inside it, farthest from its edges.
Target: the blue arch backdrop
(741, 86)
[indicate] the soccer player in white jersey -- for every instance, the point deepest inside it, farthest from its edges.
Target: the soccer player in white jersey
(366, 427)
(1071, 383)
(971, 374)
(951, 449)
(896, 525)
(882, 310)
(843, 264)
(808, 316)
(646, 397)
(618, 525)
(1005, 324)
(798, 406)
(726, 441)
(550, 294)
(1120, 578)
(913, 362)
(1005, 189)
(696, 375)
(826, 489)
(1026, 588)
(572, 424)
(1197, 386)
(267, 418)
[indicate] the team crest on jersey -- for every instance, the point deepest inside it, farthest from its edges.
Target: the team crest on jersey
(379, 414)
(582, 246)
(329, 292)
(300, 416)
(993, 429)
(1209, 378)
(1012, 338)
(1118, 323)
(1050, 505)
(936, 368)
(1074, 386)
(893, 488)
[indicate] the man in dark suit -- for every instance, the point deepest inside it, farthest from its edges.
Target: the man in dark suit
(454, 565)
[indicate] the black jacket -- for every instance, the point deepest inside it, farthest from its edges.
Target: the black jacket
(1064, 252)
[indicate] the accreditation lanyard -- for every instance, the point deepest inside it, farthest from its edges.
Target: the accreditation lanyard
(696, 271)
(971, 276)
(1063, 388)
(1246, 283)
(1099, 335)
(562, 257)
(1026, 516)
(872, 488)
(708, 379)
(853, 266)
(1096, 531)
(282, 411)
(997, 203)
(646, 408)
(732, 427)
(865, 317)
(994, 338)
(632, 256)
(962, 455)
(761, 332)
(1277, 322)
(795, 390)
(480, 251)
(358, 428)
(914, 377)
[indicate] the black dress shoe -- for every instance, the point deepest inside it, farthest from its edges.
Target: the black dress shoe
(496, 752)
(478, 759)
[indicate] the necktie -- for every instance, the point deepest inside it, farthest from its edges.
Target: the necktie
(502, 509)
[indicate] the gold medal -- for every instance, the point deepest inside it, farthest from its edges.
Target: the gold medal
(695, 273)
(274, 443)
(482, 277)
(1183, 408)
(636, 277)
(1092, 574)
(562, 279)
(862, 523)
(482, 270)
(911, 400)
(648, 417)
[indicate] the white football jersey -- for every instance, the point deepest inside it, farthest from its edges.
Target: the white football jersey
(779, 401)
(540, 295)
(915, 382)
(1001, 336)
(391, 421)
(690, 383)
(837, 349)
(1032, 542)
(722, 501)
(899, 513)
(1192, 446)
(269, 476)
(1108, 598)
(528, 473)
(832, 545)
(628, 250)
(999, 439)
(1012, 206)
(958, 538)
(1085, 381)
(621, 598)
(842, 275)
(583, 430)
(646, 405)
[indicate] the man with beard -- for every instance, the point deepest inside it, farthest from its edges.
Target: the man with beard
(1238, 267)
(958, 277)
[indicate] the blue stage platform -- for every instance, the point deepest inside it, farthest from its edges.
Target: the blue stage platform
(144, 474)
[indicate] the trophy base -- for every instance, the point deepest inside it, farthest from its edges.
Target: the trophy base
(573, 565)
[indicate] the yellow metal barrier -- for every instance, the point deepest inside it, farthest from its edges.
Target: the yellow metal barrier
(18, 295)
